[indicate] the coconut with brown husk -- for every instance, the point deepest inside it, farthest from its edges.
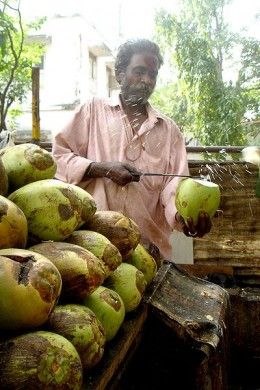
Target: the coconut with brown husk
(81, 271)
(53, 209)
(13, 225)
(99, 245)
(122, 231)
(3, 179)
(27, 163)
(81, 327)
(40, 360)
(30, 286)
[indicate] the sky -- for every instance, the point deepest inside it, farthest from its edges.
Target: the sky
(135, 18)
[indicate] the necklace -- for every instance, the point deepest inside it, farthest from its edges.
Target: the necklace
(133, 149)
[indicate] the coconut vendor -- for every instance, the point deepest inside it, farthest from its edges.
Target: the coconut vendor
(109, 142)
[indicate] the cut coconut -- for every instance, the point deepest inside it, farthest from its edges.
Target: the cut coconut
(194, 196)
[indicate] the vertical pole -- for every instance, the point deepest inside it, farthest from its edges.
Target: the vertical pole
(36, 134)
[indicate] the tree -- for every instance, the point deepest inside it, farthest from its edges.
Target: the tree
(17, 56)
(202, 46)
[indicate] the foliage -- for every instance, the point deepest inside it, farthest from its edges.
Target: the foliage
(168, 100)
(249, 84)
(201, 47)
(17, 55)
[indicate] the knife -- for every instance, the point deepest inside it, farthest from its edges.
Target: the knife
(166, 174)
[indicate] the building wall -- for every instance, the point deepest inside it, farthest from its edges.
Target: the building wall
(65, 78)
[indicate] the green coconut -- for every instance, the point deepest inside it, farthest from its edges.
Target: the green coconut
(40, 360)
(13, 225)
(143, 261)
(3, 179)
(129, 283)
(81, 271)
(89, 206)
(30, 286)
(99, 245)
(122, 231)
(194, 196)
(81, 327)
(109, 308)
(27, 163)
(53, 209)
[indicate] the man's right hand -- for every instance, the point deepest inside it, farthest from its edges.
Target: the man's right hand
(118, 172)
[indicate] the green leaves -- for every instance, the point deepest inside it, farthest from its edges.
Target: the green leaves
(201, 47)
(16, 58)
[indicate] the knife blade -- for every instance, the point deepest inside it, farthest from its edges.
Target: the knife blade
(166, 174)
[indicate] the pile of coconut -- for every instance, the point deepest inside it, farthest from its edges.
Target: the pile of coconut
(69, 274)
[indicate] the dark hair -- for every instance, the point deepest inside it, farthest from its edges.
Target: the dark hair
(131, 47)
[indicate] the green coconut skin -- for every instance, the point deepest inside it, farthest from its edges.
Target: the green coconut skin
(100, 246)
(89, 206)
(53, 209)
(194, 196)
(81, 271)
(40, 360)
(129, 283)
(144, 262)
(13, 225)
(81, 327)
(122, 231)
(109, 308)
(3, 179)
(30, 286)
(27, 163)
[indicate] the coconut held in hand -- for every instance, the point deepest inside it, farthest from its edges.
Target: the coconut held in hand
(194, 196)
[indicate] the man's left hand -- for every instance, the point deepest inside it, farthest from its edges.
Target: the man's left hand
(189, 229)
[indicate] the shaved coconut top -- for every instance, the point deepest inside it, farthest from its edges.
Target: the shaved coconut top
(205, 183)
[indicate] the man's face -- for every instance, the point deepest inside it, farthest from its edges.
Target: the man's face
(139, 79)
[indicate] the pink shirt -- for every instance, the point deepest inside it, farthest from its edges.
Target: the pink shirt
(100, 131)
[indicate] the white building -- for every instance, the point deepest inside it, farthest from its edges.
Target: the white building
(78, 64)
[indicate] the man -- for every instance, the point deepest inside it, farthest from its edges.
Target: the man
(109, 143)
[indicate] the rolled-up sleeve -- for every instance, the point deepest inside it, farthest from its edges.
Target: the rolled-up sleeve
(69, 148)
(178, 165)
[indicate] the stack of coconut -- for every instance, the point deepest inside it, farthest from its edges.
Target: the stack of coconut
(68, 274)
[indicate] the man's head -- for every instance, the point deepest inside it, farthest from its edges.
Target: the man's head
(136, 69)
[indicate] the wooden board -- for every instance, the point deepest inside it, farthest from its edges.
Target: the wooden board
(235, 236)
